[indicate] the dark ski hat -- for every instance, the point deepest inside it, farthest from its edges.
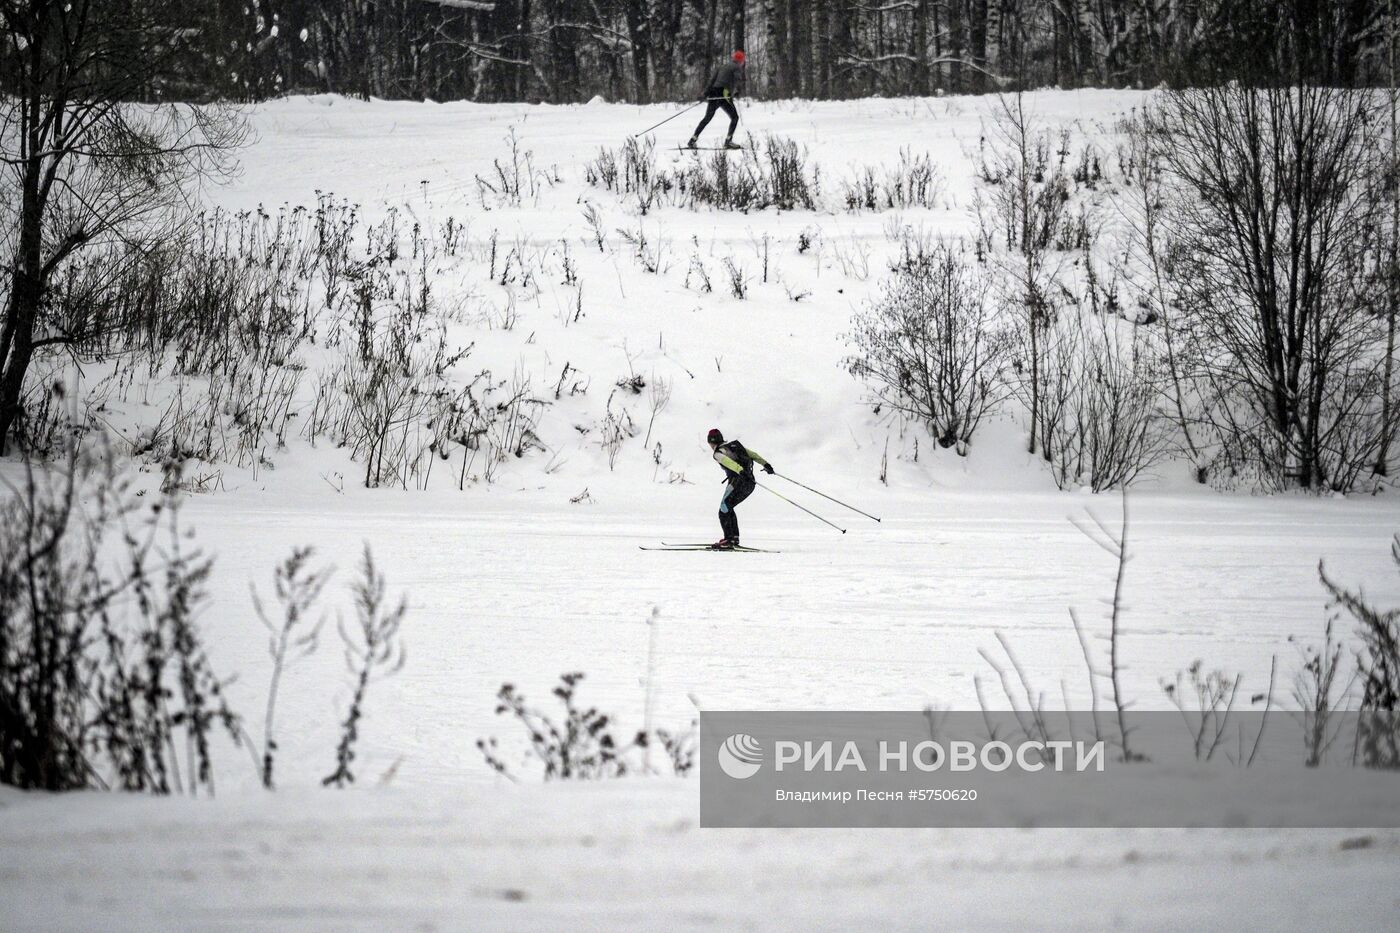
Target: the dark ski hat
(739, 56)
(714, 437)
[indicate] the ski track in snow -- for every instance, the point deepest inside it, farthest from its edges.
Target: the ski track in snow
(511, 583)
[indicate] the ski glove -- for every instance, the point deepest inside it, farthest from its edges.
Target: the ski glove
(768, 468)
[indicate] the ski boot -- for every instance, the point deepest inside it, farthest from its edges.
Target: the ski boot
(691, 144)
(731, 144)
(723, 544)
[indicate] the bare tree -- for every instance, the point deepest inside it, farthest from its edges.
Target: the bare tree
(929, 347)
(88, 166)
(1027, 211)
(1269, 192)
(1106, 431)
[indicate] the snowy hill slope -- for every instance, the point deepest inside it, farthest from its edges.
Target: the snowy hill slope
(767, 368)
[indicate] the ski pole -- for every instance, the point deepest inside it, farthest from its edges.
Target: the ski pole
(802, 507)
(825, 496)
(668, 119)
(673, 116)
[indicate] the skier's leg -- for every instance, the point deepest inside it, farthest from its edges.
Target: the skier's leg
(742, 489)
(728, 523)
(705, 120)
(733, 112)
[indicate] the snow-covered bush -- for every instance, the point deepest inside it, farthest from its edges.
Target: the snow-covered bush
(1095, 419)
(770, 173)
(583, 744)
(1275, 203)
(773, 173)
(514, 179)
(104, 681)
(787, 182)
(257, 322)
(293, 636)
(220, 313)
(913, 181)
(930, 347)
(631, 170)
(1378, 666)
(617, 426)
(373, 650)
(1027, 227)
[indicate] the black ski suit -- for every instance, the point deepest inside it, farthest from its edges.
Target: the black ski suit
(737, 461)
(723, 86)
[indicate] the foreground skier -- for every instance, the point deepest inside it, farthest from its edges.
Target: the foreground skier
(737, 461)
(724, 84)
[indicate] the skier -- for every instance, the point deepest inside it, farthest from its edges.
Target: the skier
(737, 461)
(724, 84)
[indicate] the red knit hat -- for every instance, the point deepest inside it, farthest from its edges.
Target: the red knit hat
(739, 56)
(714, 437)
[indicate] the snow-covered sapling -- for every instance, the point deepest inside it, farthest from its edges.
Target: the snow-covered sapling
(373, 649)
(295, 635)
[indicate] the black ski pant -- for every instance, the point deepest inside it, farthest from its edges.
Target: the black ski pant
(736, 490)
(718, 102)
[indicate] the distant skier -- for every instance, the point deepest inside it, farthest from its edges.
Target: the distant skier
(720, 92)
(738, 462)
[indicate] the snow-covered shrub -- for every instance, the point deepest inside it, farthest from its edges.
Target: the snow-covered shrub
(788, 184)
(631, 170)
(1378, 666)
(861, 192)
(650, 254)
(1096, 419)
(1318, 694)
(929, 346)
(1279, 291)
(738, 278)
(602, 171)
(221, 313)
(698, 274)
(583, 744)
(724, 180)
(852, 255)
(616, 428)
(373, 650)
(772, 173)
(294, 635)
(514, 178)
(1206, 700)
(1026, 222)
(104, 681)
(913, 181)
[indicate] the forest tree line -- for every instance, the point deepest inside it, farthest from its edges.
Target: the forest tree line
(562, 51)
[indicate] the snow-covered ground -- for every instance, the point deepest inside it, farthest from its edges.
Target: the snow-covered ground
(628, 855)
(887, 616)
(513, 582)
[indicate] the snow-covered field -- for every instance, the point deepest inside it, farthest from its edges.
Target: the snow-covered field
(628, 855)
(514, 582)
